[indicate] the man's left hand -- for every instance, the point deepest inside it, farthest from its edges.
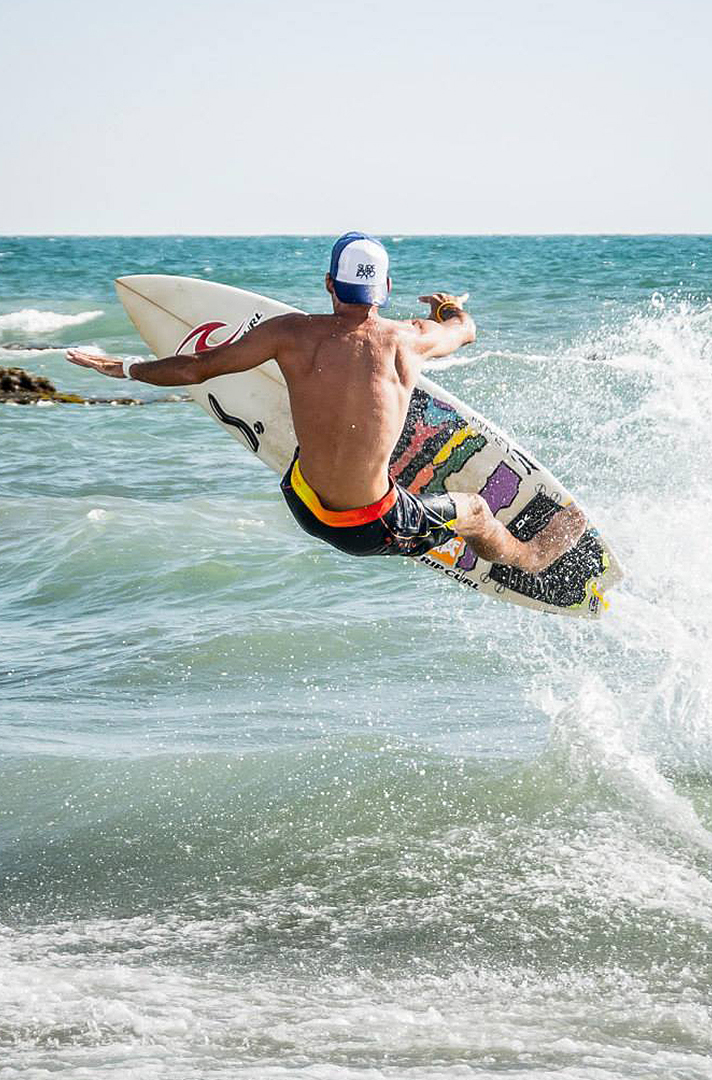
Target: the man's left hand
(440, 301)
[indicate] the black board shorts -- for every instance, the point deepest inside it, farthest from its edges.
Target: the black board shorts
(400, 523)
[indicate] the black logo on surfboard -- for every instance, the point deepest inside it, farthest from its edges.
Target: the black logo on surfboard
(237, 422)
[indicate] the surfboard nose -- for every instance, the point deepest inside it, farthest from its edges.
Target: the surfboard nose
(149, 301)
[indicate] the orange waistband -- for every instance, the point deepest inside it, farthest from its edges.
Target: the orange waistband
(362, 515)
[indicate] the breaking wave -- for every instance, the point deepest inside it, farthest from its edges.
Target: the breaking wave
(33, 321)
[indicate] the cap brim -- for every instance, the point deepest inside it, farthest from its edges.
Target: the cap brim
(361, 294)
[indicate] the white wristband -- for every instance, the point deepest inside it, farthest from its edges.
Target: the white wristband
(129, 361)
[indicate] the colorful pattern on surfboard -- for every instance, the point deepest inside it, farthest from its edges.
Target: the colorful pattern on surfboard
(435, 448)
(444, 444)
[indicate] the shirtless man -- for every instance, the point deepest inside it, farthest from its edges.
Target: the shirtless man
(350, 376)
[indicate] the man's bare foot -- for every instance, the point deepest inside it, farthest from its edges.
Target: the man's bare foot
(563, 531)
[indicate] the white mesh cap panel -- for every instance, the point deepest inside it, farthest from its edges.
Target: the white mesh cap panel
(362, 262)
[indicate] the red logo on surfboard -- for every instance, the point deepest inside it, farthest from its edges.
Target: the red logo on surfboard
(201, 336)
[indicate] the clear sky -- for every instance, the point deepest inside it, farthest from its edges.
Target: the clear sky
(488, 116)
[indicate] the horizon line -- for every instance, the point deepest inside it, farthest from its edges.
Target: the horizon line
(305, 235)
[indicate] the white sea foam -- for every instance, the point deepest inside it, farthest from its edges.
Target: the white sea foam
(33, 321)
(595, 736)
(63, 1013)
(515, 357)
(633, 704)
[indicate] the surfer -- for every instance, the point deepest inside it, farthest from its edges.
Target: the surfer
(350, 376)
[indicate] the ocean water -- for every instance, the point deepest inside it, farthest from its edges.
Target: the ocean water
(269, 812)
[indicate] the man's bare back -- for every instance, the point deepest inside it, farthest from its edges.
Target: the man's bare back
(350, 376)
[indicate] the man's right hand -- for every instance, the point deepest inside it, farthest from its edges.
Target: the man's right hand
(444, 305)
(105, 365)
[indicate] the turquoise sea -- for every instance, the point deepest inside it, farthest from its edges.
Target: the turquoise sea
(268, 812)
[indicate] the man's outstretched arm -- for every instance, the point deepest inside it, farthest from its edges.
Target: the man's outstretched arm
(253, 349)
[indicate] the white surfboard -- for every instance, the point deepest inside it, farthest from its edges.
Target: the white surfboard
(444, 445)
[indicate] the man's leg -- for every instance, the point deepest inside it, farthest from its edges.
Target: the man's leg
(492, 541)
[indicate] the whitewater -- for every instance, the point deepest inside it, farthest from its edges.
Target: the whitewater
(269, 812)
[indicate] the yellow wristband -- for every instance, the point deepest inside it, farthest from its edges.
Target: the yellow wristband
(445, 304)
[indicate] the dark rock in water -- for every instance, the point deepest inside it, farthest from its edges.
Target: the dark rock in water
(12, 379)
(20, 387)
(30, 346)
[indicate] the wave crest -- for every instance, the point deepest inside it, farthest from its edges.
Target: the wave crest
(32, 321)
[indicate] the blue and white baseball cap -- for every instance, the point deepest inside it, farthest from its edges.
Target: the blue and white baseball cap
(359, 269)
